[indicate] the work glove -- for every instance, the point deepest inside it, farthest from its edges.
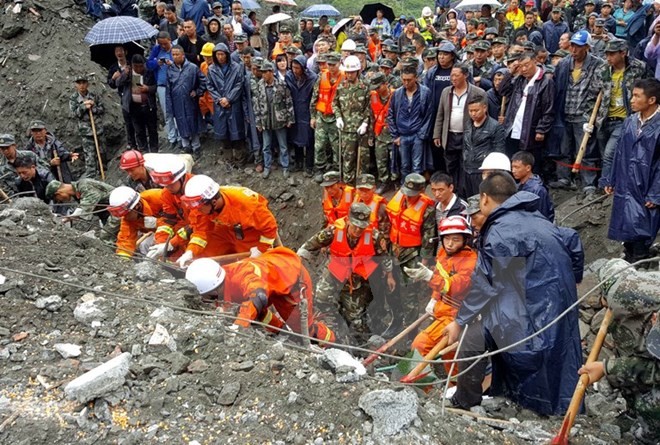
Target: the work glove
(363, 129)
(158, 250)
(340, 123)
(248, 311)
(107, 7)
(304, 253)
(587, 128)
(255, 252)
(76, 213)
(430, 307)
(421, 273)
(185, 259)
(149, 222)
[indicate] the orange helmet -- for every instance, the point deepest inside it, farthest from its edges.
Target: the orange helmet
(131, 159)
(454, 224)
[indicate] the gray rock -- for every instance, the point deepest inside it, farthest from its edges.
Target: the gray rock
(4, 332)
(161, 337)
(346, 367)
(292, 398)
(391, 411)
(100, 380)
(11, 30)
(229, 393)
(198, 366)
(614, 431)
(50, 303)
(13, 214)
(147, 271)
(67, 350)
(178, 362)
(245, 366)
(89, 311)
(102, 411)
(277, 351)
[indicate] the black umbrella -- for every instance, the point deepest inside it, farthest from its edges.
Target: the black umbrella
(368, 12)
(104, 54)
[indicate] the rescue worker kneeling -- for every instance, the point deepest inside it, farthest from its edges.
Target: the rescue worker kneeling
(139, 212)
(354, 250)
(226, 220)
(269, 289)
(450, 282)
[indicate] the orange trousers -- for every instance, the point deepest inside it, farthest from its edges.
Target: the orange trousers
(429, 337)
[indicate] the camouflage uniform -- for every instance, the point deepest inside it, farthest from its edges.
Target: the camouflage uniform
(254, 83)
(351, 103)
(355, 295)
(484, 71)
(8, 173)
(276, 113)
(634, 370)
(633, 71)
(579, 22)
(79, 111)
(383, 141)
(326, 136)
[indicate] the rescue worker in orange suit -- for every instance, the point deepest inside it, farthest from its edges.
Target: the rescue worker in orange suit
(132, 162)
(324, 122)
(337, 198)
(356, 251)
(269, 289)
(364, 189)
(413, 238)
(139, 212)
(226, 220)
(171, 237)
(450, 282)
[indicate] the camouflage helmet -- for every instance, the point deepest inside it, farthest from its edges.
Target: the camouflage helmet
(473, 205)
(52, 188)
(330, 178)
(359, 215)
(365, 180)
(413, 185)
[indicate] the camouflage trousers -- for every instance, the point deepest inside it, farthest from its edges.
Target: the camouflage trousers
(91, 158)
(110, 230)
(352, 149)
(326, 139)
(409, 299)
(647, 406)
(334, 297)
(383, 150)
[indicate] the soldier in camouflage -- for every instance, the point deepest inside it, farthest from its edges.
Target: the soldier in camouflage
(356, 252)
(351, 108)
(580, 21)
(481, 66)
(386, 67)
(254, 82)
(635, 368)
(323, 119)
(8, 175)
(80, 103)
(92, 197)
(379, 132)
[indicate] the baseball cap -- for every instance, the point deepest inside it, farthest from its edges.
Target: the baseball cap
(581, 38)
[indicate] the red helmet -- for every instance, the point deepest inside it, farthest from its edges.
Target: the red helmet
(454, 224)
(131, 159)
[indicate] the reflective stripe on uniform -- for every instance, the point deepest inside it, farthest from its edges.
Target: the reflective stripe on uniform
(166, 229)
(264, 240)
(124, 254)
(183, 233)
(199, 241)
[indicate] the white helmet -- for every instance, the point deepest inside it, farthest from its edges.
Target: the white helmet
(426, 12)
(351, 63)
(496, 161)
(122, 200)
(198, 189)
(205, 274)
(168, 170)
(348, 45)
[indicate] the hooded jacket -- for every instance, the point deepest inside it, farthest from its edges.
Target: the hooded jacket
(228, 81)
(178, 102)
(301, 93)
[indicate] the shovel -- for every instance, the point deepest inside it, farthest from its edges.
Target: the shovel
(439, 349)
(562, 437)
(373, 356)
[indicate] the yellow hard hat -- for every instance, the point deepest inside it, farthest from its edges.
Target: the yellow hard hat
(207, 50)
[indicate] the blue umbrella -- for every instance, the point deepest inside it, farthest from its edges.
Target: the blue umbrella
(319, 10)
(250, 4)
(120, 29)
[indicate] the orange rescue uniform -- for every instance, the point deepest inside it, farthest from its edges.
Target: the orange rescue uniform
(152, 205)
(280, 273)
(245, 221)
(206, 101)
(175, 218)
(450, 284)
(334, 212)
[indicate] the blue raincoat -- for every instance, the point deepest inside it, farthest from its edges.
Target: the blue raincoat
(523, 280)
(228, 81)
(635, 177)
(301, 93)
(178, 102)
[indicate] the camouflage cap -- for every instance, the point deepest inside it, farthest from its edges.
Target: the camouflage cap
(297, 39)
(615, 45)
(482, 45)
(333, 58)
(469, 49)
(257, 61)
(377, 80)
(606, 4)
(560, 53)
(429, 53)
(360, 49)
(410, 61)
(285, 29)
(293, 50)
(512, 57)
(590, 2)
(473, 205)
(7, 140)
(600, 22)
(81, 78)
(373, 30)
(216, 5)
(330, 178)
(501, 10)
(471, 36)
(37, 125)
(483, 20)
(366, 181)
(549, 69)
(408, 49)
(413, 185)
(52, 188)
(387, 63)
(359, 215)
(393, 48)
(491, 31)
(557, 9)
(500, 41)
(266, 66)
(240, 38)
(322, 58)
(653, 341)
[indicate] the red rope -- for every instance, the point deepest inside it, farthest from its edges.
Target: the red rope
(578, 166)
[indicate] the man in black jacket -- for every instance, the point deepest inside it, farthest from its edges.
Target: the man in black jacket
(191, 43)
(32, 178)
(481, 137)
(139, 101)
(50, 151)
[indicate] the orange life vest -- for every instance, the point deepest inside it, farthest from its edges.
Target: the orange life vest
(332, 212)
(327, 92)
(407, 223)
(345, 261)
(380, 111)
(374, 205)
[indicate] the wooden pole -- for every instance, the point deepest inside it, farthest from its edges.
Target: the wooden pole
(585, 138)
(96, 142)
(432, 354)
(373, 356)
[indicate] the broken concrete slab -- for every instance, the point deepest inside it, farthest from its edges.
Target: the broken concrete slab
(346, 367)
(67, 350)
(100, 380)
(161, 337)
(50, 303)
(391, 411)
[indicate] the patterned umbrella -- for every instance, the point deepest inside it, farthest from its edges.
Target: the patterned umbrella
(282, 2)
(319, 10)
(120, 29)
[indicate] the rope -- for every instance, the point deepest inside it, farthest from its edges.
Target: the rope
(597, 200)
